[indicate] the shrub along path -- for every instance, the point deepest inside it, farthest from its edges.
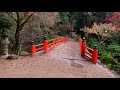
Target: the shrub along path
(63, 61)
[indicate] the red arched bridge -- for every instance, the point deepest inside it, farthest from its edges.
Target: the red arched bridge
(57, 58)
(91, 54)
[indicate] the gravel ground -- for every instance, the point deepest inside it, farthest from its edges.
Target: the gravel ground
(63, 61)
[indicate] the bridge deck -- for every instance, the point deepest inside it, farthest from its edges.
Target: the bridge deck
(63, 61)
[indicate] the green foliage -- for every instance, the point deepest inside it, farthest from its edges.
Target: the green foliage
(114, 49)
(61, 30)
(91, 42)
(60, 33)
(4, 22)
(116, 68)
(109, 54)
(76, 20)
(110, 66)
(115, 38)
(49, 36)
(61, 25)
(107, 58)
(64, 16)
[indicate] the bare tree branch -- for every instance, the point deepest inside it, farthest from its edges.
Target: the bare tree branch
(12, 17)
(27, 19)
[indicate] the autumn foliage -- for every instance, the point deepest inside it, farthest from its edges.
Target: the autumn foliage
(114, 19)
(99, 28)
(114, 16)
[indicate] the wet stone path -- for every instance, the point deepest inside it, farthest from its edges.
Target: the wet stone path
(62, 61)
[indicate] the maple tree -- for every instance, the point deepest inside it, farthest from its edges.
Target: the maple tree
(103, 31)
(114, 19)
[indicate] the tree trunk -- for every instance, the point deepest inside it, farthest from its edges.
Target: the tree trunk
(17, 35)
(19, 27)
(17, 41)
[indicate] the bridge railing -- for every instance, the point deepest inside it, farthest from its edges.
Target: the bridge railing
(91, 54)
(46, 45)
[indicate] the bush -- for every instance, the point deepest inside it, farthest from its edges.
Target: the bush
(115, 38)
(5, 23)
(110, 66)
(91, 42)
(62, 30)
(50, 36)
(116, 68)
(107, 58)
(60, 33)
(114, 49)
(111, 63)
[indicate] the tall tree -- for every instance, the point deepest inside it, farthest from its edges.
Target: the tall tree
(21, 19)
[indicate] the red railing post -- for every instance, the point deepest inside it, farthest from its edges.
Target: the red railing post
(61, 40)
(83, 47)
(95, 54)
(32, 48)
(53, 42)
(80, 41)
(65, 39)
(45, 44)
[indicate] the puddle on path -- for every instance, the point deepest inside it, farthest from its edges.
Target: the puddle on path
(77, 65)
